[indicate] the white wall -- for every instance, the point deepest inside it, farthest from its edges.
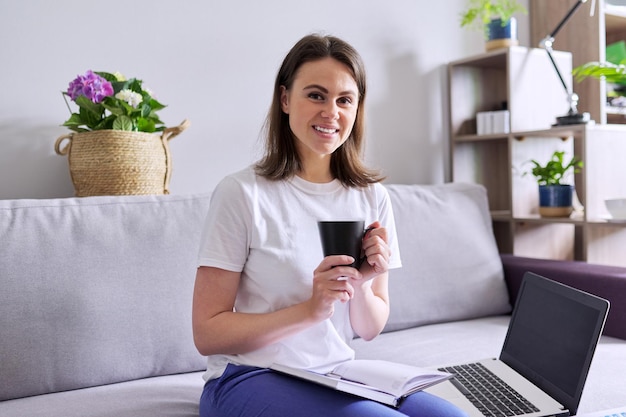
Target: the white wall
(214, 63)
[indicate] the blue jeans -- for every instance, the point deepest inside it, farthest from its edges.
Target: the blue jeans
(246, 391)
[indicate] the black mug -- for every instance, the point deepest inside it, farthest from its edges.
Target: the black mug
(343, 238)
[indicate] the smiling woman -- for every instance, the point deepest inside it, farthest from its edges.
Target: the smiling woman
(322, 106)
(264, 292)
(281, 160)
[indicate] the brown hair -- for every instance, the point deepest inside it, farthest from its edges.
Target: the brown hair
(281, 159)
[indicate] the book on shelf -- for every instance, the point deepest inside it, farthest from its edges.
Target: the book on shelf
(378, 380)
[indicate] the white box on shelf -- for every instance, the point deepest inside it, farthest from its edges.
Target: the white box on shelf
(483, 123)
(492, 122)
(500, 121)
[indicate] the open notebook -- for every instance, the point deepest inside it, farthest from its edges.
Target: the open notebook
(378, 380)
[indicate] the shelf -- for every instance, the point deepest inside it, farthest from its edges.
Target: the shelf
(616, 110)
(536, 219)
(562, 132)
(615, 115)
(500, 215)
(575, 219)
(607, 222)
(478, 138)
(494, 59)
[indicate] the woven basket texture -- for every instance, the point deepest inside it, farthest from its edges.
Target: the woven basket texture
(116, 162)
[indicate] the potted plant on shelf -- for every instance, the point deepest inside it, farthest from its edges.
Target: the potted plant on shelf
(613, 73)
(118, 145)
(495, 18)
(555, 198)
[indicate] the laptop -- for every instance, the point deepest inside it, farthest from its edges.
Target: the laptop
(545, 359)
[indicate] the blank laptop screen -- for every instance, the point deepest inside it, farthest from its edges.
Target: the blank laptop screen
(552, 337)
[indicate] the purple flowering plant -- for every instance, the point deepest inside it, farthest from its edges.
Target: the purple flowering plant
(110, 101)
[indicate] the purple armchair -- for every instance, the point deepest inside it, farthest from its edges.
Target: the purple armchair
(608, 282)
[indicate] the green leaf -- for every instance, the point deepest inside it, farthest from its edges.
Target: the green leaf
(89, 118)
(118, 86)
(106, 75)
(146, 125)
(555, 169)
(113, 105)
(612, 73)
(123, 123)
(74, 120)
(106, 123)
(84, 103)
(145, 110)
(468, 18)
(155, 104)
(480, 12)
(157, 120)
(134, 85)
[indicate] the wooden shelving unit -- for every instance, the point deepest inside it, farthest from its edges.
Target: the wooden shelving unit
(522, 78)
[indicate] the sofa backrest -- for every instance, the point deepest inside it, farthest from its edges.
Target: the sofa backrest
(451, 269)
(96, 290)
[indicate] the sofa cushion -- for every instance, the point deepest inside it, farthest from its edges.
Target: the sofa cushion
(161, 396)
(96, 290)
(451, 266)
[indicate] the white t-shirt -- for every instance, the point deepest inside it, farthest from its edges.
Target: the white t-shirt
(267, 230)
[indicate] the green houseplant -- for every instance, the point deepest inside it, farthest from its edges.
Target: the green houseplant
(555, 197)
(118, 144)
(495, 18)
(111, 101)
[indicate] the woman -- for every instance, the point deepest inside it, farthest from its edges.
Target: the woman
(261, 294)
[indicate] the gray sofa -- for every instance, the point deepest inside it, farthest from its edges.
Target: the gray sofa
(95, 300)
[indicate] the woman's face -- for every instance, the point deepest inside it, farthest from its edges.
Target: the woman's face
(322, 107)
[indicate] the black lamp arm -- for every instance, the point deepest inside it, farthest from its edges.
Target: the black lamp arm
(566, 18)
(556, 68)
(546, 43)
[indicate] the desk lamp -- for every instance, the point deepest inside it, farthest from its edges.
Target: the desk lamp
(572, 117)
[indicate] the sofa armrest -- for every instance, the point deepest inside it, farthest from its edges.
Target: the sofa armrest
(605, 281)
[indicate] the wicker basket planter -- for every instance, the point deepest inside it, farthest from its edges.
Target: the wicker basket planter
(117, 162)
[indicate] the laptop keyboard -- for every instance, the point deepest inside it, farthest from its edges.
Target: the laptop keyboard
(491, 395)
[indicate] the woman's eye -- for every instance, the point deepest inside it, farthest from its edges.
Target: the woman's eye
(316, 96)
(345, 100)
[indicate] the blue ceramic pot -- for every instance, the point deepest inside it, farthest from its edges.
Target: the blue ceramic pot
(555, 195)
(495, 29)
(555, 200)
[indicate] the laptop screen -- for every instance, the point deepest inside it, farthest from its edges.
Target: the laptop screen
(552, 337)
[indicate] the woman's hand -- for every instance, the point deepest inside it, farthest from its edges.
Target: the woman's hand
(369, 307)
(376, 251)
(365, 288)
(332, 282)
